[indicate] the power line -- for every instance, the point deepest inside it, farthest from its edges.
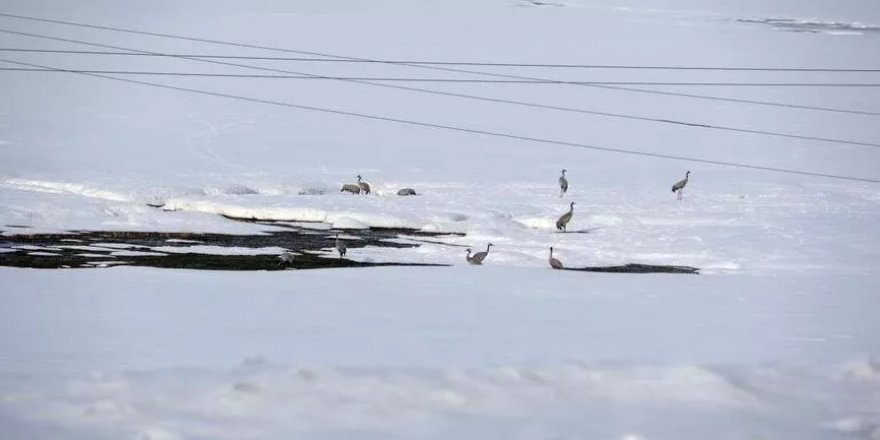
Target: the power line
(438, 80)
(715, 98)
(742, 101)
(456, 128)
(472, 63)
(475, 72)
(470, 96)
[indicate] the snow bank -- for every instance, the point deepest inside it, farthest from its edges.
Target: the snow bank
(271, 401)
(36, 212)
(63, 188)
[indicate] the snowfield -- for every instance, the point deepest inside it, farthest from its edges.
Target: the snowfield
(777, 338)
(432, 352)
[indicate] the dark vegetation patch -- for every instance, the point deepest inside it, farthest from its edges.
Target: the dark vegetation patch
(315, 249)
(638, 268)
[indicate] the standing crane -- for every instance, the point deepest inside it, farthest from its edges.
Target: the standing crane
(679, 186)
(479, 256)
(340, 246)
(365, 187)
(563, 184)
(563, 221)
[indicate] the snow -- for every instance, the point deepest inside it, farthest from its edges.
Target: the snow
(515, 315)
(757, 227)
(28, 247)
(63, 188)
(44, 212)
(302, 400)
(404, 352)
(113, 245)
(777, 338)
(130, 253)
(219, 250)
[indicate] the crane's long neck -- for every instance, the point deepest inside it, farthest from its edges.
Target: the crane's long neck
(487, 248)
(551, 252)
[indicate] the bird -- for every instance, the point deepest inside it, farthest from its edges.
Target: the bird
(554, 263)
(351, 187)
(286, 259)
(563, 184)
(679, 186)
(340, 246)
(479, 256)
(563, 221)
(365, 187)
(469, 258)
(407, 192)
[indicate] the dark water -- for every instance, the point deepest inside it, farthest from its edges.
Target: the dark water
(53, 251)
(314, 249)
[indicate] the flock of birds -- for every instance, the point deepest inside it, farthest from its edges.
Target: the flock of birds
(364, 187)
(286, 259)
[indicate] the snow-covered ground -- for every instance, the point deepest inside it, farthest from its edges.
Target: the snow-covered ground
(777, 337)
(437, 352)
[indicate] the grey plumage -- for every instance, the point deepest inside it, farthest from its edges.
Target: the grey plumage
(479, 256)
(351, 187)
(469, 257)
(407, 192)
(679, 186)
(365, 187)
(554, 263)
(341, 247)
(286, 259)
(563, 221)
(563, 184)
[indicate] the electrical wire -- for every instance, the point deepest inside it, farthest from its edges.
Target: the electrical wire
(459, 129)
(475, 72)
(469, 96)
(470, 63)
(444, 80)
